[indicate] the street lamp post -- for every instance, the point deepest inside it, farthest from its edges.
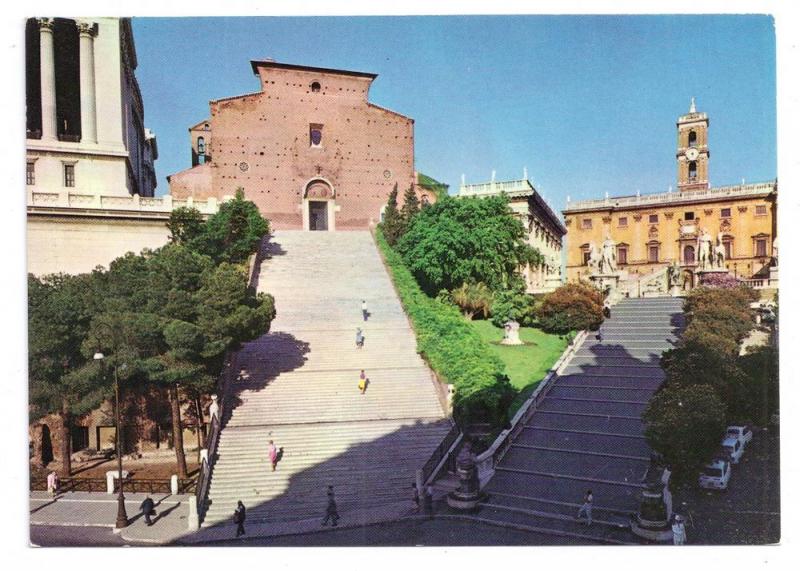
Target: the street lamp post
(122, 515)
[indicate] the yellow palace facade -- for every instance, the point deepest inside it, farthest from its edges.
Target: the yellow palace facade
(653, 230)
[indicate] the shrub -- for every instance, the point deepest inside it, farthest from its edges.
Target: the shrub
(571, 307)
(453, 349)
(685, 425)
(472, 299)
(719, 280)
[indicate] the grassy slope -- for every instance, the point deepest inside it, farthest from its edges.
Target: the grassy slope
(526, 365)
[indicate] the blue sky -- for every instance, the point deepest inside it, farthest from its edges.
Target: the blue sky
(587, 103)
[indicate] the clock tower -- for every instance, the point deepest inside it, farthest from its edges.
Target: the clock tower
(693, 151)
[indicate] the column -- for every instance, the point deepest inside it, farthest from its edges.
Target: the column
(87, 32)
(48, 79)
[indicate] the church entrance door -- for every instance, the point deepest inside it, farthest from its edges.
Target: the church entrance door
(317, 215)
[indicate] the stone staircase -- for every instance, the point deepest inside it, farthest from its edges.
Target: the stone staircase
(587, 433)
(301, 390)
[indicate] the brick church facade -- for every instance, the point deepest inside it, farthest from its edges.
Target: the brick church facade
(308, 148)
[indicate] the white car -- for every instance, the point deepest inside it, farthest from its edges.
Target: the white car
(733, 447)
(743, 432)
(715, 475)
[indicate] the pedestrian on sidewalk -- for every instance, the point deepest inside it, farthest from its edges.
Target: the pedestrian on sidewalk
(238, 518)
(364, 311)
(148, 509)
(52, 483)
(272, 453)
(586, 508)
(359, 338)
(415, 496)
(678, 531)
(428, 499)
(331, 512)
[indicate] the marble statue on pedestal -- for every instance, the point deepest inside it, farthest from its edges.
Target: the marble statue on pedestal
(608, 258)
(674, 274)
(719, 253)
(594, 259)
(704, 260)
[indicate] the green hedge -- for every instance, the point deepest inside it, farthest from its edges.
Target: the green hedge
(453, 349)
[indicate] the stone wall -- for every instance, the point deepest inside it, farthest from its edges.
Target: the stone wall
(74, 245)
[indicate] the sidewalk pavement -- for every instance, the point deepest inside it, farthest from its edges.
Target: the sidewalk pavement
(96, 509)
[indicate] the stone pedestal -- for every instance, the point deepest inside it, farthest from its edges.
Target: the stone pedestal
(652, 520)
(194, 518)
(702, 275)
(608, 283)
(511, 335)
(467, 494)
(675, 291)
(173, 484)
(111, 475)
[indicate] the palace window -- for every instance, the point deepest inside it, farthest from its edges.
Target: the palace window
(622, 255)
(586, 257)
(692, 169)
(727, 242)
(761, 247)
(315, 135)
(692, 139)
(586, 224)
(761, 209)
(688, 215)
(30, 173)
(652, 254)
(653, 219)
(688, 255)
(315, 87)
(69, 175)
(725, 213)
(201, 146)
(623, 221)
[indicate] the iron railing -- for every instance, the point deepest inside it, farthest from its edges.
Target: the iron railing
(133, 485)
(434, 463)
(212, 442)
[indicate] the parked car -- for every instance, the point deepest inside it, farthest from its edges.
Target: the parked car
(733, 448)
(742, 431)
(715, 475)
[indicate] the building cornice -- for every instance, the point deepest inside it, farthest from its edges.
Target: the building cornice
(649, 201)
(256, 64)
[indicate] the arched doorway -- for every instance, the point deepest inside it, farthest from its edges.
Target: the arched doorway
(319, 206)
(688, 255)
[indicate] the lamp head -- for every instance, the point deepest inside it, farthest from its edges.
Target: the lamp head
(99, 356)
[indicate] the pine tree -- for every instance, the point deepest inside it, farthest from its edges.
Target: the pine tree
(392, 224)
(410, 207)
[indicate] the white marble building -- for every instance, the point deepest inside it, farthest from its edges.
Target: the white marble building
(85, 117)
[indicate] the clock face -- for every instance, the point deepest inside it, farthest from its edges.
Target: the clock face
(692, 154)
